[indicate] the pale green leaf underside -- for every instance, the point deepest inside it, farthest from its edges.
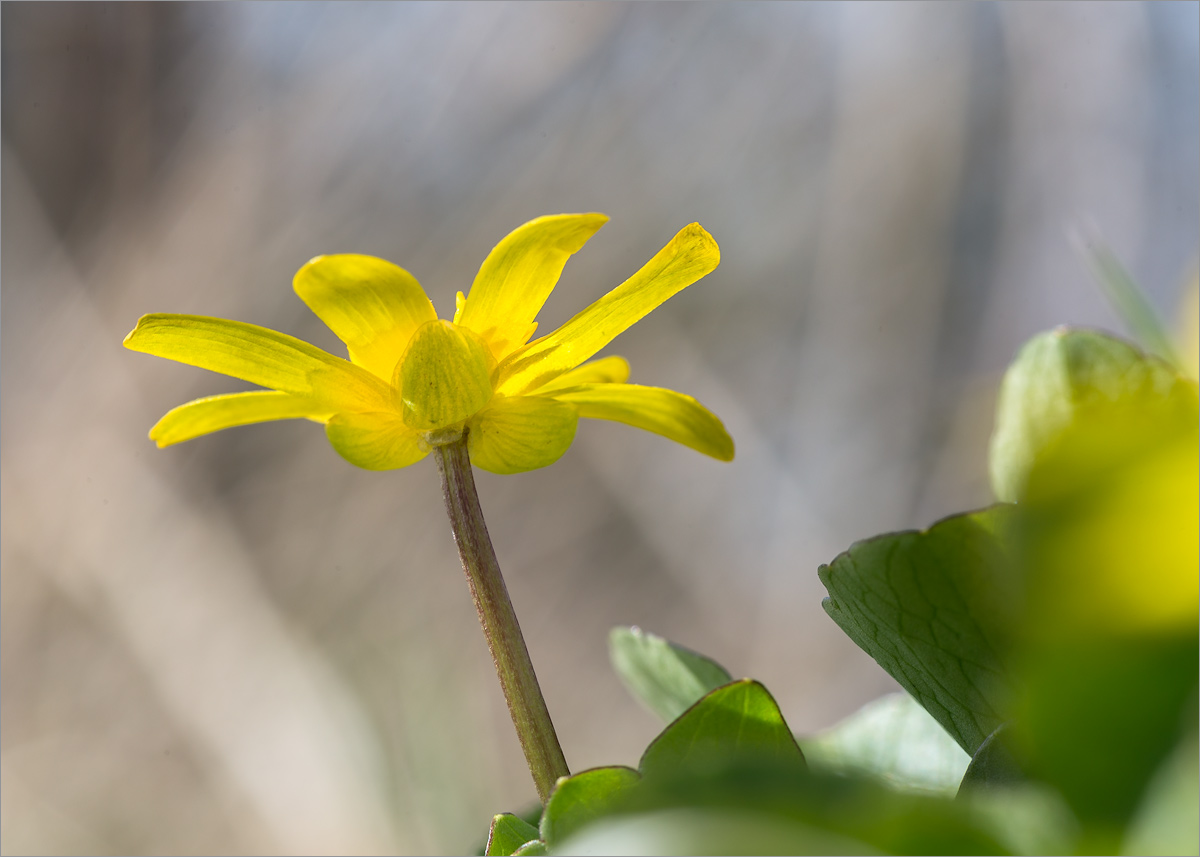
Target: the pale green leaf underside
(894, 739)
(932, 608)
(668, 679)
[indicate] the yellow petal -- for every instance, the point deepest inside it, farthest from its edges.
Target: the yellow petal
(519, 274)
(673, 415)
(444, 377)
(606, 370)
(689, 256)
(372, 305)
(260, 356)
(522, 433)
(375, 441)
(204, 416)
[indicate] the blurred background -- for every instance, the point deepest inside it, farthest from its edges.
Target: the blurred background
(244, 644)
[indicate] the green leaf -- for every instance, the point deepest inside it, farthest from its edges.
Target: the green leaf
(668, 679)
(508, 834)
(739, 720)
(1058, 378)
(993, 764)
(584, 797)
(1132, 305)
(933, 608)
(685, 830)
(894, 739)
(1168, 821)
(759, 805)
(534, 848)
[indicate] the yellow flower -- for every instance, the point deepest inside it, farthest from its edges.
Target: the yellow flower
(414, 381)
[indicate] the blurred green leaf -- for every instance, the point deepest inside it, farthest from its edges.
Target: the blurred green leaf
(738, 720)
(667, 678)
(797, 811)
(892, 738)
(535, 848)
(1168, 822)
(581, 798)
(707, 831)
(1059, 377)
(1132, 306)
(993, 765)
(934, 609)
(508, 834)
(1107, 662)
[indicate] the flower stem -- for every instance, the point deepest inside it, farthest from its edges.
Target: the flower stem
(499, 621)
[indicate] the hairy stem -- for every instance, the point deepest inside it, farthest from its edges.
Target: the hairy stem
(499, 621)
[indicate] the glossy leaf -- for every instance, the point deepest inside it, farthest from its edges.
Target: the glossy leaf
(666, 678)
(584, 797)
(508, 834)
(894, 739)
(737, 721)
(933, 608)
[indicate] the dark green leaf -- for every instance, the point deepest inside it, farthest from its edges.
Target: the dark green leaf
(892, 738)
(1060, 377)
(667, 678)
(933, 608)
(739, 720)
(584, 797)
(508, 834)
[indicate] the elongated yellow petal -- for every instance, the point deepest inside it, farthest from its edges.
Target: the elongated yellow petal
(606, 370)
(260, 356)
(375, 441)
(519, 274)
(445, 376)
(673, 415)
(689, 256)
(522, 433)
(204, 416)
(372, 305)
